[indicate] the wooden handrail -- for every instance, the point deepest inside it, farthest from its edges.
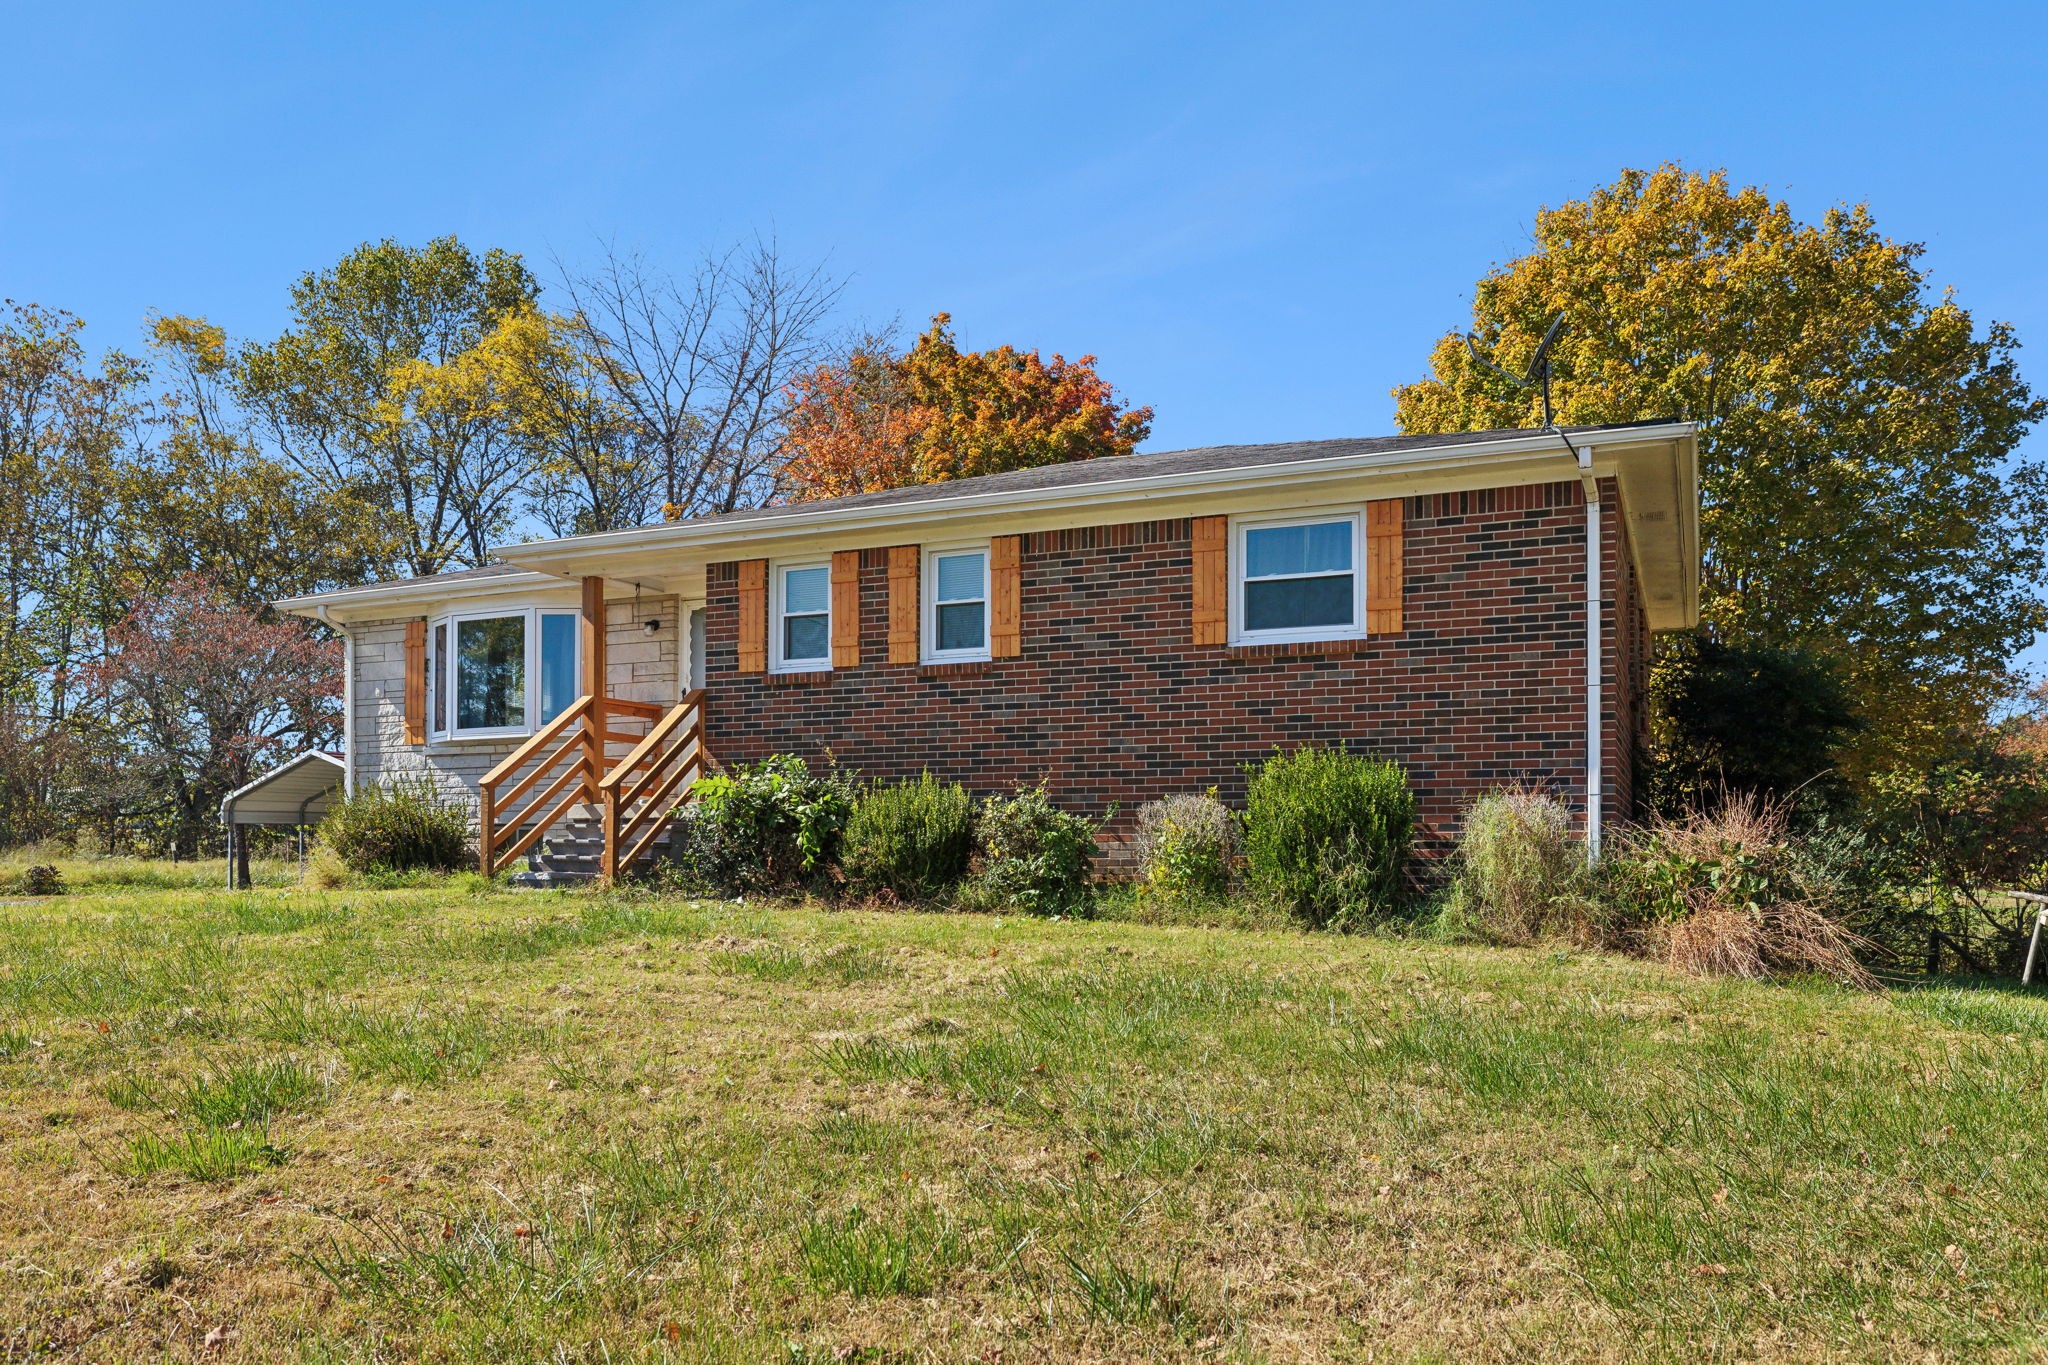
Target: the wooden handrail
(637, 790)
(676, 716)
(517, 759)
(661, 792)
(577, 772)
(692, 770)
(533, 836)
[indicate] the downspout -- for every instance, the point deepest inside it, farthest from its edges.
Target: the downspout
(1591, 485)
(348, 702)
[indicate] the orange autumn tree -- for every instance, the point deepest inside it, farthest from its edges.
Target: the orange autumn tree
(878, 420)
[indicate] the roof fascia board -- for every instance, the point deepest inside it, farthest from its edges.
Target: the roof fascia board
(1431, 469)
(373, 599)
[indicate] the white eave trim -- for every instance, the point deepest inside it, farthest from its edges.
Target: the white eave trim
(422, 592)
(1541, 448)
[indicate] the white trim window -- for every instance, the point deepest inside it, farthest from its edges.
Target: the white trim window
(1298, 578)
(800, 631)
(956, 603)
(501, 674)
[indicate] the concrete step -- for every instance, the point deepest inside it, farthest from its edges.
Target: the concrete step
(572, 853)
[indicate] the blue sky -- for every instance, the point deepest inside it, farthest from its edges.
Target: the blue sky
(1259, 217)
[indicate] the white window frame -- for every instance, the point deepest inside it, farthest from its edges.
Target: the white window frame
(777, 605)
(441, 689)
(1239, 529)
(928, 602)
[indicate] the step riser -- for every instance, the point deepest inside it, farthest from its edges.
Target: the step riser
(573, 854)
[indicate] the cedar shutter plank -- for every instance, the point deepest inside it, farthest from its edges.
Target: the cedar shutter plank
(1006, 630)
(1383, 567)
(903, 631)
(415, 682)
(846, 609)
(1211, 537)
(753, 616)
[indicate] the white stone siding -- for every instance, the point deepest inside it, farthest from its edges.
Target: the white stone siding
(639, 668)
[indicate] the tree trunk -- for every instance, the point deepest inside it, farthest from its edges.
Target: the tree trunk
(239, 837)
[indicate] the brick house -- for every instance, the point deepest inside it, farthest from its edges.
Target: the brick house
(1477, 606)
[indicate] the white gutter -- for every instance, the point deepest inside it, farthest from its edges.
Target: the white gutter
(1591, 485)
(407, 590)
(348, 701)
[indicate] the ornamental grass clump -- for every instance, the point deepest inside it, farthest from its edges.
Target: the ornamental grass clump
(401, 826)
(1187, 845)
(1728, 890)
(909, 840)
(1519, 875)
(1327, 835)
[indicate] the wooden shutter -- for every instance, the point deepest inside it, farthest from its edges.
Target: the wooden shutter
(415, 682)
(1212, 580)
(846, 608)
(903, 604)
(1005, 590)
(753, 616)
(1383, 567)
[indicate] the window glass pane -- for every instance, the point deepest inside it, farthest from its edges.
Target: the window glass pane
(804, 637)
(490, 673)
(1322, 548)
(1298, 603)
(437, 678)
(806, 589)
(960, 577)
(960, 626)
(557, 664)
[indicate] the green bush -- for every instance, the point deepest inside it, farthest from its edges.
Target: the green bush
(911, 840)
(1328, 835)
(1520, 872)
(1186, 845)
(1032, 856)
(1734, 890)
(404, 826)
(42, 879)
(768, 826)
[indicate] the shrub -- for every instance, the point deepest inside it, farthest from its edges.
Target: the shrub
(768, 826)
(1186, 844)
(1729, 891)
(1033, 856)
(404, 826)
(1328, 834)
(911, 840)
(325, 870)
(1519, 875)
(42, 879)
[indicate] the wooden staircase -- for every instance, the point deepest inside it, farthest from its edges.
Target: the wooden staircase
(575, 808)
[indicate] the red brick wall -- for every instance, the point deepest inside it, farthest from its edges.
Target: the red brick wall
(1625, 666)
(1110, 702)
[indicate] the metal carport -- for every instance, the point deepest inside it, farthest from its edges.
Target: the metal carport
(295, 793)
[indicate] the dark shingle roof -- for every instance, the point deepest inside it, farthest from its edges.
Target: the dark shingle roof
(1080, 473)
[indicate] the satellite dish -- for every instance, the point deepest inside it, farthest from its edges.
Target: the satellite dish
(1539, 368)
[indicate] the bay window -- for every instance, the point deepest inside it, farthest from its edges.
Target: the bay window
(1298, 579)
(500, 674)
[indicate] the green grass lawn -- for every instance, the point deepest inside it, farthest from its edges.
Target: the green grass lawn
(429, 1123)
